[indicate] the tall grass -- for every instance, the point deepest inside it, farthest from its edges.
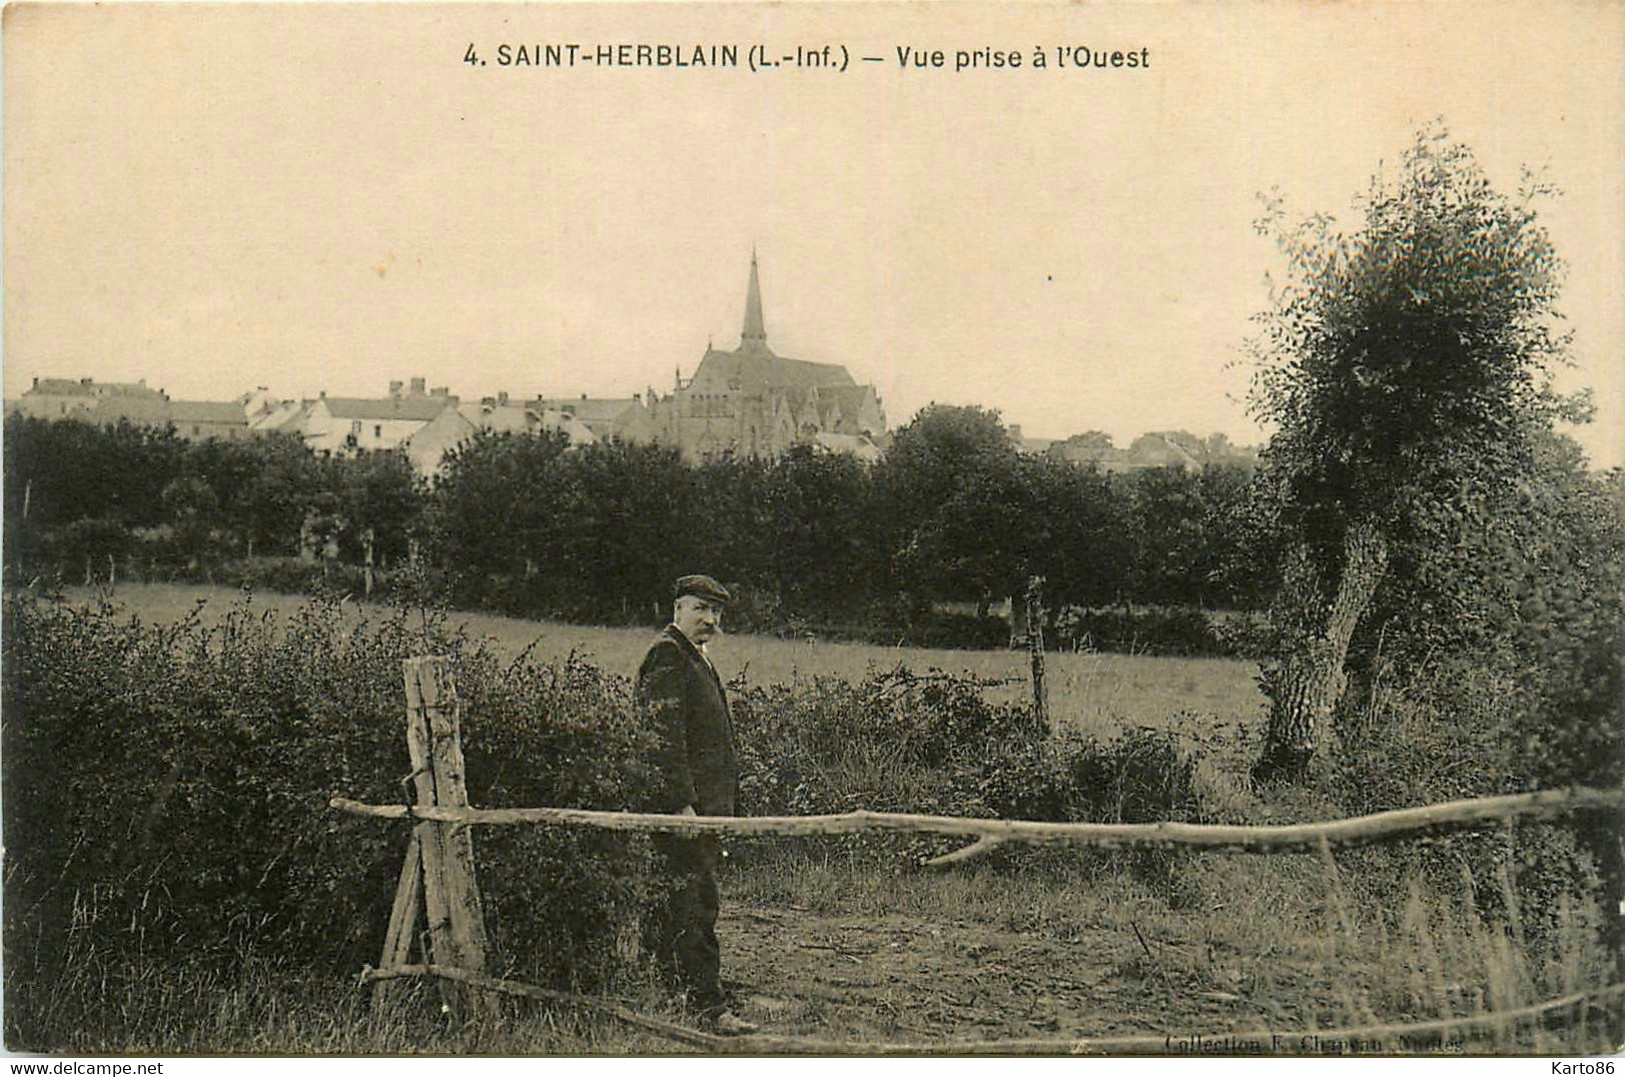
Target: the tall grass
(1284, 943)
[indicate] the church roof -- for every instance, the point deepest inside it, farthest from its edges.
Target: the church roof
(851, 397)
(755, 369)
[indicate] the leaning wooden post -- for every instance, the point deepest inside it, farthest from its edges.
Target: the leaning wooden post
(1035, 645)
(403, 919)
(451, 897)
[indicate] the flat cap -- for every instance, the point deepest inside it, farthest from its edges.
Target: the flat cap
(702, 587)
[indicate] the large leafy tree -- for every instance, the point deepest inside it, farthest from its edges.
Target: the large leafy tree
(69, 469)
(1407, 367)
(1077, 533)
(502, 505)
(382, 494)
(635, 524)
(1187, 537)
(268, 508)
(731, 507)
(957, 504)
(822, 536)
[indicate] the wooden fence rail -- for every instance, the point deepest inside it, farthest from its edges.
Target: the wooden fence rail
(438, 909)
(990, 833)
(1372, 1039)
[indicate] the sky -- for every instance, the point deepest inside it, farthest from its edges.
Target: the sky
(315, 198)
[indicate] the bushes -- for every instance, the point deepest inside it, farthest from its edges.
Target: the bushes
(295, 576)
(891, 742)
(1177, 631)
(1462, 730)
(167, 788)
(933, 744)
(955, 631)
(167, 791)
(1142, 776)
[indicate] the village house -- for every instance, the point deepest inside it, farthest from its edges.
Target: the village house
(426, 447)
(200, 420)
(338, 425)
(93, 401)
(283, 417)
(110, 403)
(501, 415)
(607, 418)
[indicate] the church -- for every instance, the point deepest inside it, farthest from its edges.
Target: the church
(753, 402)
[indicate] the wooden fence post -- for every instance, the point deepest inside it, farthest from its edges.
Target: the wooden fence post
(403, 918)
(1035, 646)
(440, 855)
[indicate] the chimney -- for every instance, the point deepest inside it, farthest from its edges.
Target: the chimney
(441, 391)
(583, 396)
(488, 402)
(395, 388)
(417, 386)
(36, 381)
(322, 394)
(502, 398)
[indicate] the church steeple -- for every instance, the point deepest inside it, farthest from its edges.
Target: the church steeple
(754, 332)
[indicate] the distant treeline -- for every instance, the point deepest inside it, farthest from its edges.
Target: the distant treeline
(523, 524)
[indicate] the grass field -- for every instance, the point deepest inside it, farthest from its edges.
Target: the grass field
(827, 945)
(1094, 692)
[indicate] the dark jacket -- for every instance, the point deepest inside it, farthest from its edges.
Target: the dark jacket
(681, 696)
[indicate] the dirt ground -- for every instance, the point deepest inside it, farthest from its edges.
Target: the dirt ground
(902, 977)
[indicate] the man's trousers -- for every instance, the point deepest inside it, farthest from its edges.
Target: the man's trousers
(683, 930)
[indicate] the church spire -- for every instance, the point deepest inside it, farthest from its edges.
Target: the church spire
(754, 332)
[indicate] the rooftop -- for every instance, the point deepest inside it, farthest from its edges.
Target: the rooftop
(207, 411)
(411, 408)
(756, 368)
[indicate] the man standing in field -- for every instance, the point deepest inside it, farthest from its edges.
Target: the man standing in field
(697, 773)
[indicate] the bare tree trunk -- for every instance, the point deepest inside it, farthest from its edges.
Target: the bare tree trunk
(1304, 690)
